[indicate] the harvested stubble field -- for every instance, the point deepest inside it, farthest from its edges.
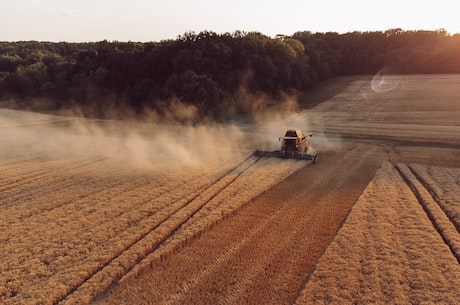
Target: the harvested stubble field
(99, 212)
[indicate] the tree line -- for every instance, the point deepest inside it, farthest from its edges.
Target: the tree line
(209, 70)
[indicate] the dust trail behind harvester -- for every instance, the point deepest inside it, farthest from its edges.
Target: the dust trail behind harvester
(150, 145)
(160, 143)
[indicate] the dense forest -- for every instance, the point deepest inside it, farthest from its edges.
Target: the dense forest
(207, 71)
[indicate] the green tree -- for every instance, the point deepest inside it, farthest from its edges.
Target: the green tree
(196, 89)
(18, 84)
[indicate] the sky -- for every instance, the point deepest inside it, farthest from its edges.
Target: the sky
(156, 20)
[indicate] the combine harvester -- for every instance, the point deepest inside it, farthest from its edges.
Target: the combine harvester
(295, 145)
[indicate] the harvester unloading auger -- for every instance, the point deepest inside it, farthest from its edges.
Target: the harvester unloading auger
(294, 145)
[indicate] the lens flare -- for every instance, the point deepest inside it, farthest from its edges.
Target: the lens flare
(384, 82)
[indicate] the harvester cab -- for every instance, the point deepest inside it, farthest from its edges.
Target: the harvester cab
(294, 141)
(294, 145)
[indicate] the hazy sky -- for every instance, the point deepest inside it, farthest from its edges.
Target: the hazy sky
(154, 20)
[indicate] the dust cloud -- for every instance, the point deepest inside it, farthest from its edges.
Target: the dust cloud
(271, 120)
(272, 123)
(167, 141)
(150, 145)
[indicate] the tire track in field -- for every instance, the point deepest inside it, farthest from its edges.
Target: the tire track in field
(257, 226)
(46, 175)
(222, 258)
(218, 208)
(43, 172)
(13, 177)
(72, 195)
(432, 208)
(23, 202)
(22, 162)
(19, 230)
(77, 262)
(81, 216)
(43, 159)
(47, 168)
(123, 261)
(295, 225)
(432, 190)
(251, 256)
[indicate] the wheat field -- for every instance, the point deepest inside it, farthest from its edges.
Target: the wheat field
(110, 212)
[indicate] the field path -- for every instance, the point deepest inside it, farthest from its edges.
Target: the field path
(104, 212)
(433, 207)
(264, 252)
(81, 210)
(267, 251)
(396, 247)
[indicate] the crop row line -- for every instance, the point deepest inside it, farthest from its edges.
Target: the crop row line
(435, 196)
(26, 195)
(40, 174)
(441, 222)
(16, 162)
(109, 273)
(225, 256)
